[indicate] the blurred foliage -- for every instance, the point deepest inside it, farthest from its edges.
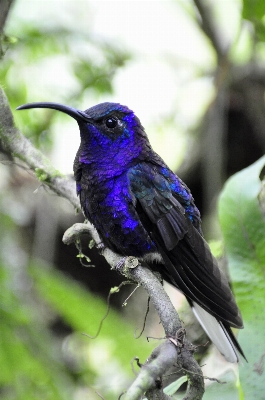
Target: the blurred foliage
(254, 11)
(88, 63)
(31, 364)
(77, 307)
(243, 225)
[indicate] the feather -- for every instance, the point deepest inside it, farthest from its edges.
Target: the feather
(217, 333)
(188, 263)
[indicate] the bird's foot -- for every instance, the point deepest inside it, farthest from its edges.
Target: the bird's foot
(127, 262)
(131, 262)
(100, 246)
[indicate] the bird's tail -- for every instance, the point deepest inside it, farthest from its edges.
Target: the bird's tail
(219, 334)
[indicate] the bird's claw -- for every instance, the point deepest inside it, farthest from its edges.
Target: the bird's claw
(100, 246)
(128, 262)
(131, 262)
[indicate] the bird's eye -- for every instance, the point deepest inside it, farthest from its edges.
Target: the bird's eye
(111, 122)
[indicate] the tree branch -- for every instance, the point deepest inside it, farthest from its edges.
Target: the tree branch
(210, 27)
(18, 146)
(176, 349)
(161, 359)
(5, 6)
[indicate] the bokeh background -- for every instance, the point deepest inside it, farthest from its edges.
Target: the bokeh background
(194, 73)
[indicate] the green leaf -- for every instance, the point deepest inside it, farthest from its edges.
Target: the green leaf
(254, 11)
(174, 386)
(243, 226)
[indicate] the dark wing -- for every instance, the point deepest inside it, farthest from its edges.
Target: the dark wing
(189, 264)
(163, 206)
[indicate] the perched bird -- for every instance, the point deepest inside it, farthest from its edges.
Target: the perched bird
(142, 209)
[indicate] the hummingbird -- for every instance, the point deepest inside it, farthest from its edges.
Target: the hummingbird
(141, 208)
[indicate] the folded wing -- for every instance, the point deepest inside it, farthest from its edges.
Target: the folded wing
(188, 262)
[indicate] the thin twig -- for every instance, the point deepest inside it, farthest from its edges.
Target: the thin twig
(145, 318)
(111, 292)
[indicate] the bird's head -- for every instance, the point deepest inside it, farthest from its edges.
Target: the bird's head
(110, 133)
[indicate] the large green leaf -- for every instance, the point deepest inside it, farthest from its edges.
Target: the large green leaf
(243, 226)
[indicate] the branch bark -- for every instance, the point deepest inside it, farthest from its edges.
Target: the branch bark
(5, 6)
(174, 350)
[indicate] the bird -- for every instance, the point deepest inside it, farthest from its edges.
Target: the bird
(141, 208)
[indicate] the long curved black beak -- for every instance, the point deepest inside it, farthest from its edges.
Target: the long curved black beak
(73, 112)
